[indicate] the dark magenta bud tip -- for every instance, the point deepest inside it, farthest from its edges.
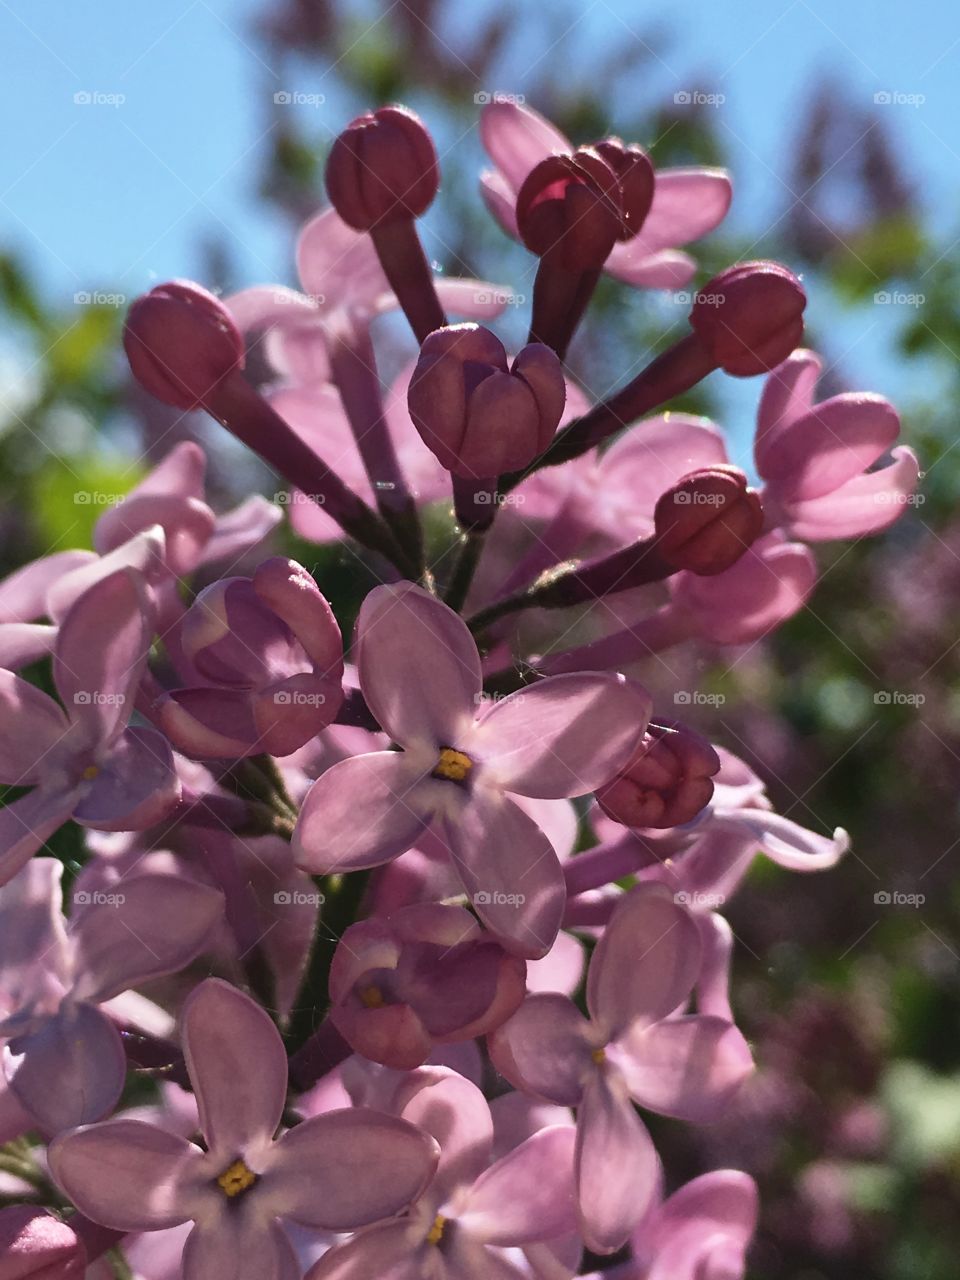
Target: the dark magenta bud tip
(750, 317)
(181, 343)
(706, 521)
(381, 168)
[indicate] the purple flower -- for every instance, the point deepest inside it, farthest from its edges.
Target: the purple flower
(86, 762)
(64, 1060)
(687, 203)
(473, 1208)
(266, 661)
(814, 457)
(634, 1047)
(423, 976)
(336, 1172)
(36, 1245)
(702, 1232)
(420, 674)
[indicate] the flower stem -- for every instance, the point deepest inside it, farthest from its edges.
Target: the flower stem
(465, 566)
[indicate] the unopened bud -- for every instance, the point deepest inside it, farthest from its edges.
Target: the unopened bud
(635, 174)
(181, 343)
(750, 317)
(707, 520)
(478, 416)
(570, 208)
(667, 782)
(381, 168)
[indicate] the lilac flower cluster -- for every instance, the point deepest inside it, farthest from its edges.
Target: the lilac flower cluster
(375, 965)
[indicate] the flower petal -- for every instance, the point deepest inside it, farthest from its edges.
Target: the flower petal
(158, 924)
(685, 1067)
(71, 1071)
(617, 1167)
(26, 825)
(454, 1112)
(866, 504)
(31, 726)
(528, 1194)
(509, 870)
(23, 595)
(101, 653)
(32, 933)
(545, 1048)
(239, 1247)
(136, 786)
(716, 1210)
(360, 813)
(345, 1169)
(646, 962)
(24, 642)
(790, 845)
(687, 204)
(388, 1251)
(562, 737)
(665, 269)
(237, 1065)
(787, 395)
(126, 1174)
(419, 666)
(517, 138)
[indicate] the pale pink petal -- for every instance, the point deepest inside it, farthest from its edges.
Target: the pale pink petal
(687, 1067)
(787, 395)
(517, 138)
(864, 505)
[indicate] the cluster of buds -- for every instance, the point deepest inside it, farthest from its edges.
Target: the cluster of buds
(357, 878)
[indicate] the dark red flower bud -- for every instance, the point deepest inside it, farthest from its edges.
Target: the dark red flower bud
(667, 782)
(181, 343)
(706, 521)
(478, 416)
(570, 207)
(750, 317)
(634, 170)
(382, 168)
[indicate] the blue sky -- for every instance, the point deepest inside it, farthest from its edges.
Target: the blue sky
(113, 192)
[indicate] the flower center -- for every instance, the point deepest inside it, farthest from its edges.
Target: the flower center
(436, 1231)
(236, 1179)
(452, 765)
(371, 997)
(90, 772)
(599, 1056)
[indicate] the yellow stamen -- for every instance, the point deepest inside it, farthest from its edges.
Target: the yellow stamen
(236, 1179)
(91, 771)
(599, 1056)
(436, 1231)
(371, 997)
(452, 765)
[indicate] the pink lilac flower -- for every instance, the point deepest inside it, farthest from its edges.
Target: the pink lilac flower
(86, 761)
(687, 203)
(64, 1059)
(633, 1047)
(701, 1232)
(815, 457)
(264, 661)
(337, 1171)
(474, 1208)
(420, 674)
(36, 1245)
(425, 975)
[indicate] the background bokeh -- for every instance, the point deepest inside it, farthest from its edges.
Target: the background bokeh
(149, 141)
